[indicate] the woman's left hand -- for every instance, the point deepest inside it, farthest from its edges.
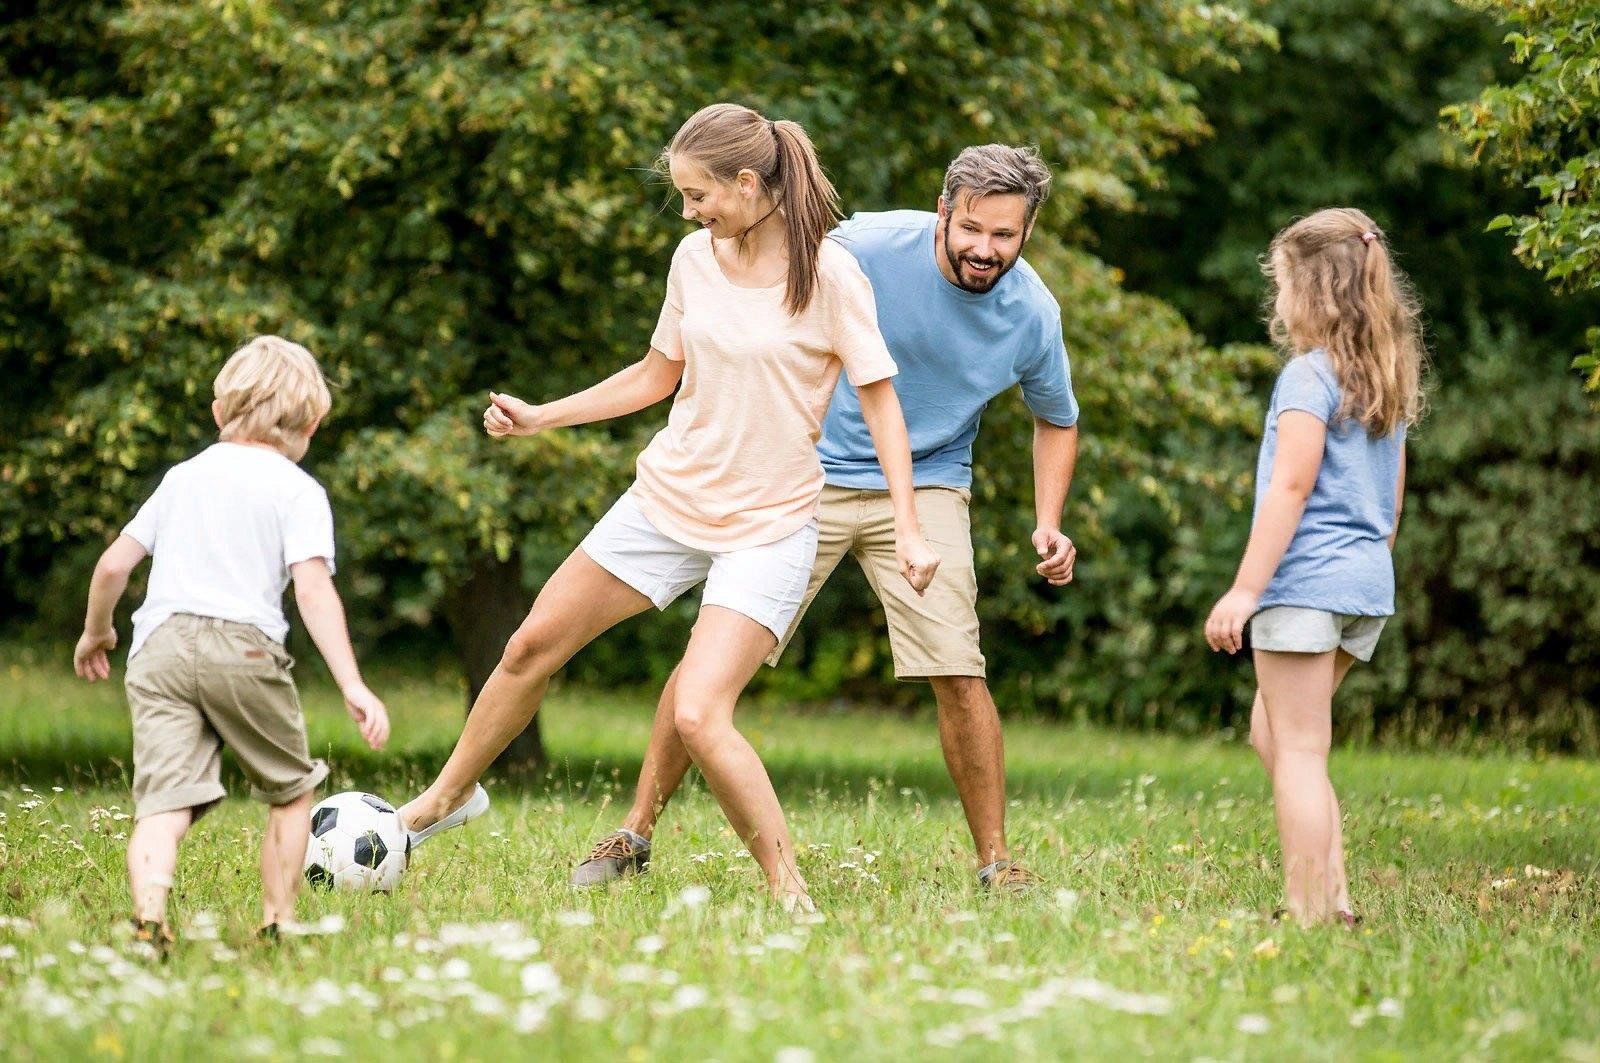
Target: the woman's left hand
(1225, 625)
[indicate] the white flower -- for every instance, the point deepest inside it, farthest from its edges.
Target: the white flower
(791, 1054)
(590, 1008)
(1390, 1008)
(1253, 1024)
(694, 896)
(689, 996)
(541, 979)
(530, 1017)
(650, 944)
(456, 970)
(321, 1046)
(575, 918)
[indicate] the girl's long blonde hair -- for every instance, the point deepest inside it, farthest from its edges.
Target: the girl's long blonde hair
(1345, 296)
(725, 138)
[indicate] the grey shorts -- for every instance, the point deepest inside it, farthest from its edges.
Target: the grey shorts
(1294, 629)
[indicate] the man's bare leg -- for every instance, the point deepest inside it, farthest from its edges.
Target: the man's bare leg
(974, 752)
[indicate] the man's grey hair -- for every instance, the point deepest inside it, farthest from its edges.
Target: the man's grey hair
(999, 169)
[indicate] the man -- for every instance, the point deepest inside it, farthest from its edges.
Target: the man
(965, 319)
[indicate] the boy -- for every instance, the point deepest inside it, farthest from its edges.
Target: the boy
(229, 528)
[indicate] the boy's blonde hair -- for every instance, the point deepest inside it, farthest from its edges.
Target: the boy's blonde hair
(270, 391)
(1346, 297)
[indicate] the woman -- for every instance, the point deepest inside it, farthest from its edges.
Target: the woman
(762, 313)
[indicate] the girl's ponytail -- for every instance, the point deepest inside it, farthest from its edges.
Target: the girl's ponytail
(1346, 296)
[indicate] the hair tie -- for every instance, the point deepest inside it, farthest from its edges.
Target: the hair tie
(1368, 236)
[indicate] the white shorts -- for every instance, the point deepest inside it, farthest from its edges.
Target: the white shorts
(765, 583)
(1295, 629)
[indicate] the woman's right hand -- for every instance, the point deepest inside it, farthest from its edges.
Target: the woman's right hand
(508, 415)
(918, 561)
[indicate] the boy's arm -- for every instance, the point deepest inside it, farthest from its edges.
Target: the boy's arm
(110, 579)
(323, 614)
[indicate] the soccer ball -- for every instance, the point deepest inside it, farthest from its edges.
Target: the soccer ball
(357, 843)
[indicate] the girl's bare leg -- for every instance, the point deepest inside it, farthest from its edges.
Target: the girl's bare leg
(1261, 739)
(1297, 693)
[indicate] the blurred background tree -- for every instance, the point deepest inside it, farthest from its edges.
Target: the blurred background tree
(446, 196)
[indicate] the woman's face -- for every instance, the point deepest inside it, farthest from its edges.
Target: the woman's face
(727, 208)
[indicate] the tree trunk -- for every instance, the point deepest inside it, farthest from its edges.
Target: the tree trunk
(483, 613)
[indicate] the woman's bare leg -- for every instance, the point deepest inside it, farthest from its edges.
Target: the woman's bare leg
(580, 602)
(724, 653)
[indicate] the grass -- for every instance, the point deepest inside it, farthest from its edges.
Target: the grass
(1477, 878)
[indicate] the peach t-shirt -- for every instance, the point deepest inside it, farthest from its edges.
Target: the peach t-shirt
(736, 465)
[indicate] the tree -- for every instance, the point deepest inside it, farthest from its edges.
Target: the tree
(1543, 131)
(439, 197)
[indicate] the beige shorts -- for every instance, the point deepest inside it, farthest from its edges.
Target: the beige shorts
(198, 684)
(932, 635)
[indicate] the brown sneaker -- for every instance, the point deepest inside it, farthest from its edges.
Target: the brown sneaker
(155, 934)
(1005, 876)
(617, 854)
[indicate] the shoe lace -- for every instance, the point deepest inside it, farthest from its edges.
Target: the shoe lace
(612, 846)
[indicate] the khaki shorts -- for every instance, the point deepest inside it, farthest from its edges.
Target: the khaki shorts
(934, 635)
(198, 684)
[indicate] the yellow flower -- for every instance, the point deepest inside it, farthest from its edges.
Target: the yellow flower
(1266, 950)
(108, 1043)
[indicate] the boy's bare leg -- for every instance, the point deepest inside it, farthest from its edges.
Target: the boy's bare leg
(974, 752)
(581, 601)
(283, 855)
(666, 763)
(153, 860)
(724, 652)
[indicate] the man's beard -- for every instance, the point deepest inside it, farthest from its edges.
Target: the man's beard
(987, 284)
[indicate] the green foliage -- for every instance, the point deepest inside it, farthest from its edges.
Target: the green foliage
(1491, 630)
(1500, 553)
(1543, 130)
(443, 197)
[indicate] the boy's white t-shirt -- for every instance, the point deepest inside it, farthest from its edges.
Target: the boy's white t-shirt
(222, 530)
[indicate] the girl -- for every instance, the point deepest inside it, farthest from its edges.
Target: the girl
(1317, 583)
(761, 315)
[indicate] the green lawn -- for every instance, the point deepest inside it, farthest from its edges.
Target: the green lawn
(1477, 878)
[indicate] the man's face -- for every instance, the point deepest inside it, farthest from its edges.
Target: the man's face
(982, 238)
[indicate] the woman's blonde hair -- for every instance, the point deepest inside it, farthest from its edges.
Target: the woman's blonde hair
(725, 138)
(270, 391)
(1346, 297)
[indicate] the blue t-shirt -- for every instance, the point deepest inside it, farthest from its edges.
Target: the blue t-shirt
(956, 350)
(1339, 558)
